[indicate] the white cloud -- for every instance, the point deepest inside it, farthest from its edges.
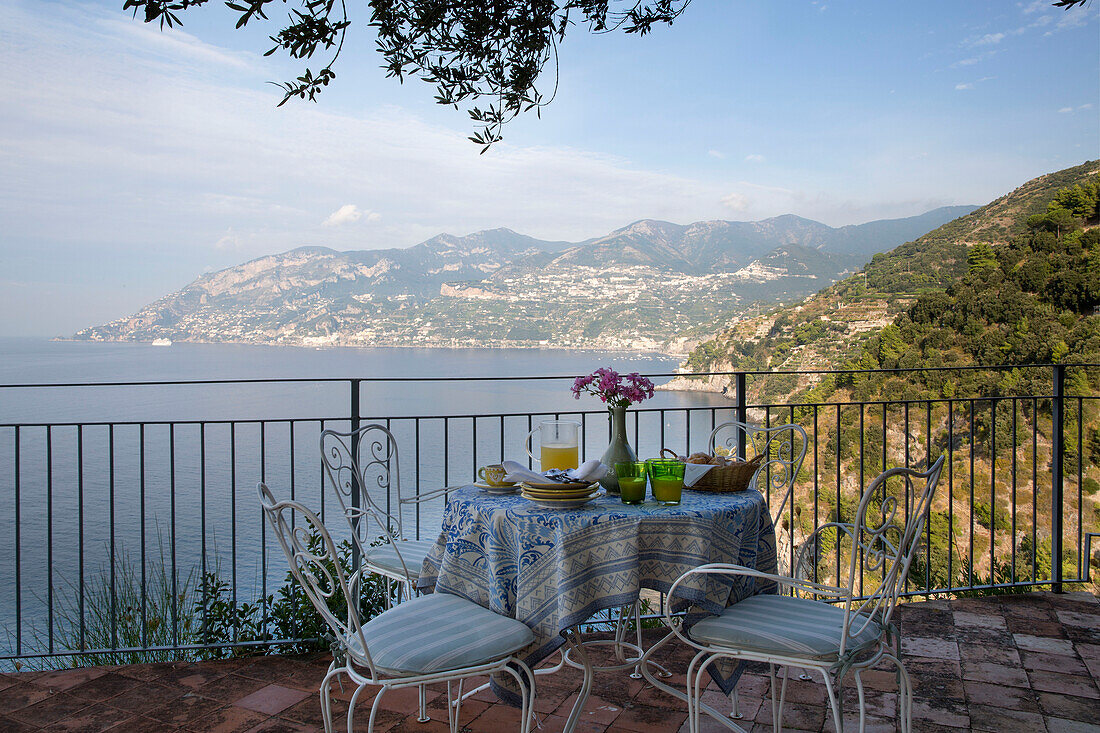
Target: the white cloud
(1085, 106)
(963, 86)
(346, 214)
(735, 202)
(989, 39)
(716, 154)
(754, 158)
(1065, 110)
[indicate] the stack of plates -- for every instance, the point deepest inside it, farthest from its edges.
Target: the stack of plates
(560, 496)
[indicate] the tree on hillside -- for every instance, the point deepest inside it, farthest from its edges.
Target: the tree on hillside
(468, 49)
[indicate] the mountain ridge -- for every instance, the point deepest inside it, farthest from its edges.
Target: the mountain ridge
(509, 287)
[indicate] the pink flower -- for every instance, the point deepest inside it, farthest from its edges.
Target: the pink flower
(613, 388)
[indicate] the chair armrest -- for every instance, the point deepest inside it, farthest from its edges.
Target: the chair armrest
(429, 495)
(807, 586)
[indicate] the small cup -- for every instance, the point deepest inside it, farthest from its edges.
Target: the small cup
(667, 480)
(632, 478)
(494, 475)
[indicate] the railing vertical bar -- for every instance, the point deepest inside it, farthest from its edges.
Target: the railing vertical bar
(233, 506)
(838, 513)
(1015, 442)
(292, 452)
(114, 559)
(354, 411)
(908, 464)
(928, 507)
(321, 474)
(584, 434)
(1034, 488)
(447, 450)
(970, 544)
(416, 458)
(992, 486)
(263, 530)
(817, 467)
(172, 538)
(662, 414)
(202, 515)
(473, 447)
(1082, 561)
(18, 548)
(49, 535)
(742, 412)
(636, 449)
(530, 463)
(862, 481)
(950, 491)
(1057, 456)
(80, 531)
(141, 490)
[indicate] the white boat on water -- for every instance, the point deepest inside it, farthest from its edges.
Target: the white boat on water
(162, 342)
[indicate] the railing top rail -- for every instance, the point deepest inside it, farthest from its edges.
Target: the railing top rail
(506, 378)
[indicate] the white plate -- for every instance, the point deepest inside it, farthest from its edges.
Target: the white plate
(498, 489)
(558, 486)
(560, 503)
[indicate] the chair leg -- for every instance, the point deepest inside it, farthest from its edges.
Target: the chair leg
(834, 703)
(373, 709)
(691, 685)
(905, 694)
(422, 691)
(326, 700)
(862, 701)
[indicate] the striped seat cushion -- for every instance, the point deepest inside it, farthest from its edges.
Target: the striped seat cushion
(413, 552)
(439, 632)
(783, 625)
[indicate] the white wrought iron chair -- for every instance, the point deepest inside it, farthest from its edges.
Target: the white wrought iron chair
(784, 447)
(433, 638)
(363, 468)
(850, 632)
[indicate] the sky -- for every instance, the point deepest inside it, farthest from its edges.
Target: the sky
(133, 159)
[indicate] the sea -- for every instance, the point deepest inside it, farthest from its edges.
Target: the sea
(163, 476)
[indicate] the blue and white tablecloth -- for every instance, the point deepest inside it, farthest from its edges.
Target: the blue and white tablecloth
(553, 569)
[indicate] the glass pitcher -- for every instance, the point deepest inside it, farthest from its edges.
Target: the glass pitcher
(559, 444)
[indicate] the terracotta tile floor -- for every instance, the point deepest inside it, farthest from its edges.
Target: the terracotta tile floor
(1009, 663)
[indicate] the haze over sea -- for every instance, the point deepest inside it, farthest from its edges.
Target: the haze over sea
(177, 467)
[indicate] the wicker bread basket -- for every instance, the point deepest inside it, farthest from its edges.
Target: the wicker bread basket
(725, 479)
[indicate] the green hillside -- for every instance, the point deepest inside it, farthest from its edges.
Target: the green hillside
(1001, 285)
(1016, 282)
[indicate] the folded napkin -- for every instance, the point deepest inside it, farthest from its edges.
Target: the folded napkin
(588, 471)
(695, 471)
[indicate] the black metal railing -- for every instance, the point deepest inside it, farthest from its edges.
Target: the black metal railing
(109, 527)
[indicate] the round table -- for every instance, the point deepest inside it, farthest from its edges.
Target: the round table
(553, 569)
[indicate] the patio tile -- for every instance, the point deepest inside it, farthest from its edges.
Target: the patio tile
(272, 700)
(230, 719)
(139, 724)
(998, 720)
(996, 654)
(1053, 662)
(145, 697)
(1064, 684)
(1015, 698)
(90, 720)
(930, 647)
(642, 718)
(796, 716)
(1070, 706)
(945, 713)
(104, 687)
(64, 679)
(980, 621)
(275, 725)
(1060, 725)
(998, 674)
(230, 688)
(184, 710)
(22, 695)
(596, 709)
(1044, 644)
(50, 709)
(8, 725)
(556, 724)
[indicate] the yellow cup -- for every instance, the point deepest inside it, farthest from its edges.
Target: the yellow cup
(494, 475)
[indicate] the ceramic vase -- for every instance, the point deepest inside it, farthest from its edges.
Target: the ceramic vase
(618, 450)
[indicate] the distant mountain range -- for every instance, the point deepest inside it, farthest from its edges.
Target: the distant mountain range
(650, 285)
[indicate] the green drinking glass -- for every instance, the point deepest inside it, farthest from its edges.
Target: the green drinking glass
(632, 477)
(666, 477)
